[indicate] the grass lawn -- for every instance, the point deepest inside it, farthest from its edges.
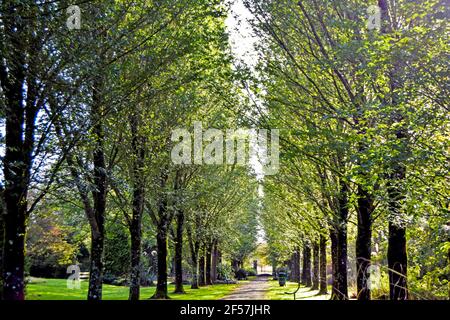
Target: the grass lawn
(276, 292)
(56, 289)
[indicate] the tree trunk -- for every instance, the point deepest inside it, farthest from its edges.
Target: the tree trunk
(363, 243)
(323, 265)
(2, 235)
(161, 243)
(342, 263)
(340, 288)
(397, 258)
(201, 273)
(18, 146)
(13, 254)
(235, 265)
(96, 268)
(138, 148)
(295, 273)
(315, 279)
(214, 263)
(195, 265)
(306, 274)
(179, 253)
(135, 272)
(397, 263)
(99, 196)
(334, 262)
(208, 264)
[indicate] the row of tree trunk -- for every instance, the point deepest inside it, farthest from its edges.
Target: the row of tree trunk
(313, 272)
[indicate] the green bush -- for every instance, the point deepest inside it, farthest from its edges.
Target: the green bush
(224, 272)
(250, 272)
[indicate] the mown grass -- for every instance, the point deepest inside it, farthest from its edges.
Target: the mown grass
(56, 289)
(275, 292)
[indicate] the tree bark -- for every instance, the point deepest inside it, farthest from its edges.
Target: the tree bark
(397, 262)
(214, 262)
(179, 253)
(17, 158)
(235, 265)
(2, 235)
(323, 265)
(363, 243)
(208, 258)
(315, 278)
(334, 262)
(340, 288)
(96, 268)
(161, 243)
(195, 265)
(397, 258)
(295, 273)
(138, 147)
(194, 246)
(135, 270)
(201, 273)
(98, 194)
(306, 274)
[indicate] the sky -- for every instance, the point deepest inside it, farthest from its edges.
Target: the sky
(242, 42)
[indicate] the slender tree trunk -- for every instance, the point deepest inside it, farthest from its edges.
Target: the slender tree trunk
(208, 264)
(201, 273)
(334, 263)
(195, 265)
(2, 235)
(448, 261)
(342, 263)
(323, 265)
(138, 148)
(307, 265)
(135, 272)
(99, 195)
(161, 243)
(363, 244)
(340, 288)
(295, 273)
(397, 263)
(235, 265)
(214, 263)
(135, 232)
(179, 253)
(397, 258)
(96, 268)
(315, 279)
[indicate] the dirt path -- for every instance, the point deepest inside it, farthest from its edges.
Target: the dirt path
(253, 290)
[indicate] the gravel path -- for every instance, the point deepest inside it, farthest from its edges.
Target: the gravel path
(253, 290)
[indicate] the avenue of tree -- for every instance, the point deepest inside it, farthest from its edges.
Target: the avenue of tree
(87, 116)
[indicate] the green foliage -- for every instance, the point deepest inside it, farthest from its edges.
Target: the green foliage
(49, 251)
(250, 272)
(224, 272)
(117, 251)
